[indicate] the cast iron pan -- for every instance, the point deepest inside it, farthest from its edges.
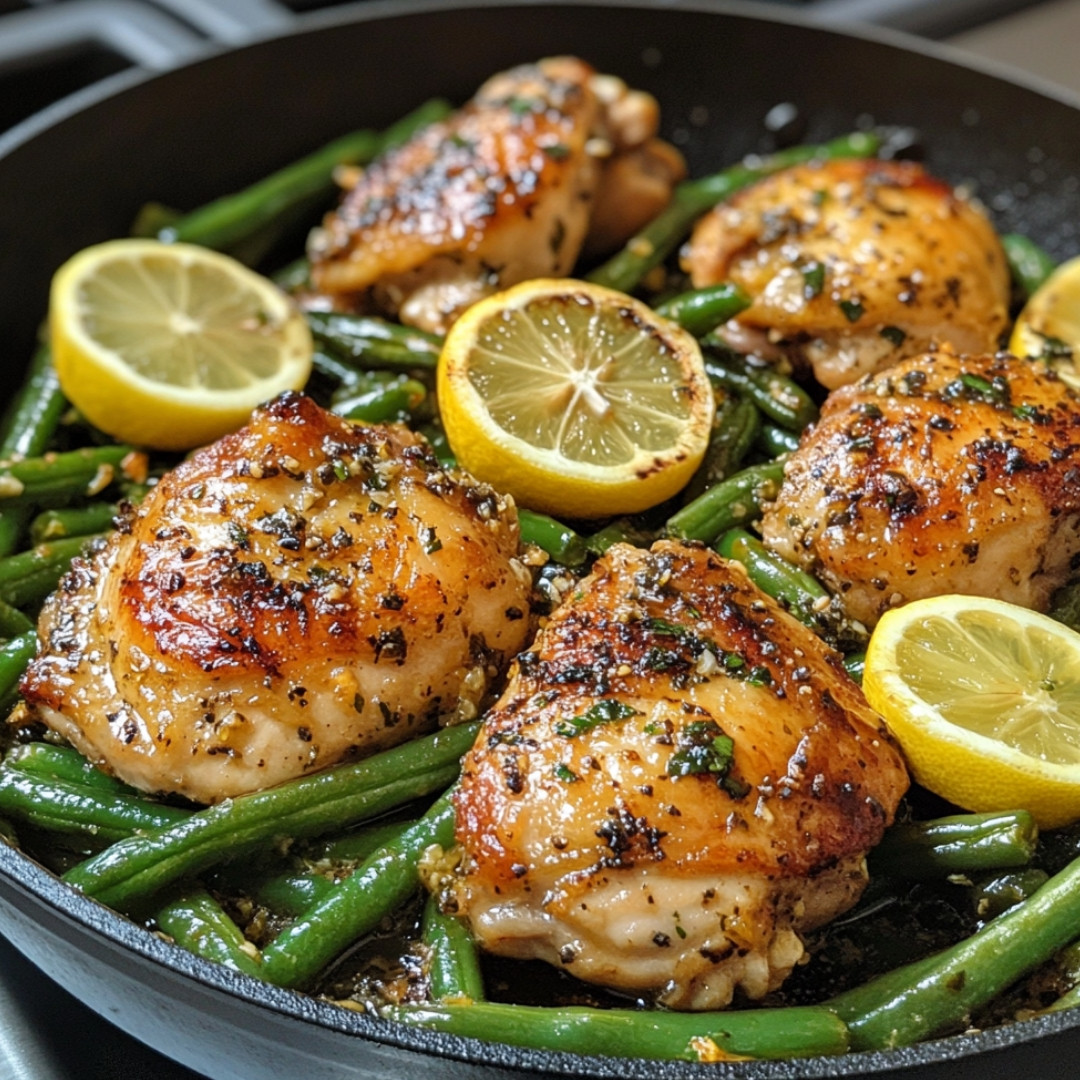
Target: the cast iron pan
(77, 174)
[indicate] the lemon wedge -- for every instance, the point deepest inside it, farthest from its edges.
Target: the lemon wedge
(1048, 327)
(984, 698)
(575, 399)
(170, 346)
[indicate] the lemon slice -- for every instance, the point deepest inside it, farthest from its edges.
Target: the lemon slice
(1048, 327)
(575, 399)
(170, 346)
(984, 698)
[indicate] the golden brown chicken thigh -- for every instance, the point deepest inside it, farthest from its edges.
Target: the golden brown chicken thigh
(942, 474)
(502, 191)
(856, 264)
(300, 591)
(678, 779)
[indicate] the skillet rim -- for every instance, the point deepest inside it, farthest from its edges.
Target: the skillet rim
(26, 877)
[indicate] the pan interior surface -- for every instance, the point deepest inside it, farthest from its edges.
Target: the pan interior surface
(190, 135)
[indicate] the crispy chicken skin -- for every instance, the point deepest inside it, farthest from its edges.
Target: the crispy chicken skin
(500, 192)
(604, 830)
(943, 474)
(856, 264)
(300, 591)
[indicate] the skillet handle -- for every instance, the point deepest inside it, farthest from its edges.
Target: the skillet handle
(133, 30)
(232, 22)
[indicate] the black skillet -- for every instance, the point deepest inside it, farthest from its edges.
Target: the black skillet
(77, 174)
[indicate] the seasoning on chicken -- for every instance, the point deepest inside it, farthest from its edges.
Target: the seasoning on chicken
(677, 781)
(943, 474)
(299, 592)
(854, 265)
(502, 191)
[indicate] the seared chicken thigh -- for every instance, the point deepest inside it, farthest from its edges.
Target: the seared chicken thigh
(678, 779)
(502, 191)
(301, 591)
(943, 474)
(854, 265)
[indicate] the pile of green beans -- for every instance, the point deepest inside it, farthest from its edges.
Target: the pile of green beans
(179, 866)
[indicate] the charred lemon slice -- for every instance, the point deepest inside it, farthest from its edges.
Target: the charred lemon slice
(574, 399)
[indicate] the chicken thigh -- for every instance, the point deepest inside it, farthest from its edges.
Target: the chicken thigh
(301, 591)
(856, 264)
(503, 190)
(942, 474)
(678, 779)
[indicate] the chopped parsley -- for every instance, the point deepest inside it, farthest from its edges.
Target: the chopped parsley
(701, 748)
(852, 309)
(606, 711)
(970, 387)
(813, 279)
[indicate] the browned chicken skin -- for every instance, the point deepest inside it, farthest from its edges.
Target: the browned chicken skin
(502, 191)
(300, 591)
(943, 474)
(604, 826)
(854, 265)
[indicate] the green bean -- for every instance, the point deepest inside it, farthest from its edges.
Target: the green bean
(1029, 265)
(13, 522)
(293, 276)
(1069, 1000)
(231, 219)
(61, 476)
(801, 593)
(440, 445)
(453, 965)
(561, 542)
(64, 763)
(73, 521)
(994, 895)
(619, 531)
(775, 440)
(357, 904)
(702, 310)
(28, 427)
(198, 923)
(34, 413)
(650, 247)
(14, 656)
(957, 844)
(855, 665)
(376, 401)
(13, 622)
(778, 396)
(938, 993)
(309, 878)
(65, 807)
(129, 872)
(355, 845)
(734, 429)
(27, 578)
(372, 343)
(288, 893)
(343, 376)
(735, 501)
(800, 1031)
